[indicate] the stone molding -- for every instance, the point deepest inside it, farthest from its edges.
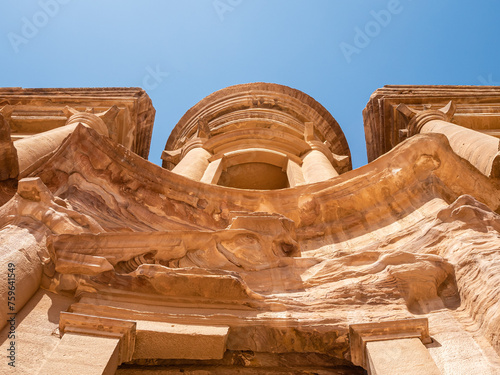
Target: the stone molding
(259, 106)
(417, 119)
(37, 110)
(477, 108)
(98, 326)
(102, 122)
(360, 334)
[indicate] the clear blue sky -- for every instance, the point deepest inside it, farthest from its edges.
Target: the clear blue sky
(337, 51)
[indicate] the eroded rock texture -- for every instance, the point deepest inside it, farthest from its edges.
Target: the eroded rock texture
(415, 233)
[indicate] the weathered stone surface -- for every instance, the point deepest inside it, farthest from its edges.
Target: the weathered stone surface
(476, 108)
(83, 354)
(8, 153)
(415, 233)
(24, 253)
(34, 111)
(361, 335)
(36, 333)
(410, 355)
(165, 341)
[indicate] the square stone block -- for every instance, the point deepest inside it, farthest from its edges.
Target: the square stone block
(178, 341)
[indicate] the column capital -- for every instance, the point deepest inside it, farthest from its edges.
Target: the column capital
(82, 324)
(172, 156)
(316, 145)
(340, 162)
(360, 334)
(101, 122)
(193, 143)
(417, 119)
(198, 141)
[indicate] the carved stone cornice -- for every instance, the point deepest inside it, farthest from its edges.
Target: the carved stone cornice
(39, 110)
(203, 129)
(477, 108)
(173, 186)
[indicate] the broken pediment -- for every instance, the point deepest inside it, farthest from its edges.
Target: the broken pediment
(318, 271)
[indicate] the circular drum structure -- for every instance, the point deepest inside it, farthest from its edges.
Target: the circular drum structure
(257, 136)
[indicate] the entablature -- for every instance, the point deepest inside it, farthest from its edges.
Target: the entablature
(34, 111)
(475, 107)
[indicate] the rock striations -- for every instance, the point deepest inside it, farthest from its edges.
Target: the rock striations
(201, 266)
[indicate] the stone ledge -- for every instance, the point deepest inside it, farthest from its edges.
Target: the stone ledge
(360, 334)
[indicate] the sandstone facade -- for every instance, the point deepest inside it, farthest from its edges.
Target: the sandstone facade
(255, 248)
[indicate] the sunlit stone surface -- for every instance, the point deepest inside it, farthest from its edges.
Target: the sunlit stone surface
(255, 248)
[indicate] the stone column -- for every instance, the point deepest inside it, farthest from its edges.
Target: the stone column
(392, 347)
(316, 163)
(316, 166)
(294, 173)
(213, 172)
(90, 345)
(481, 150)
(33, 150)
(194, 160)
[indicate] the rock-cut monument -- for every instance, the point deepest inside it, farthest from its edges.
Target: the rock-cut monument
(255, 248)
